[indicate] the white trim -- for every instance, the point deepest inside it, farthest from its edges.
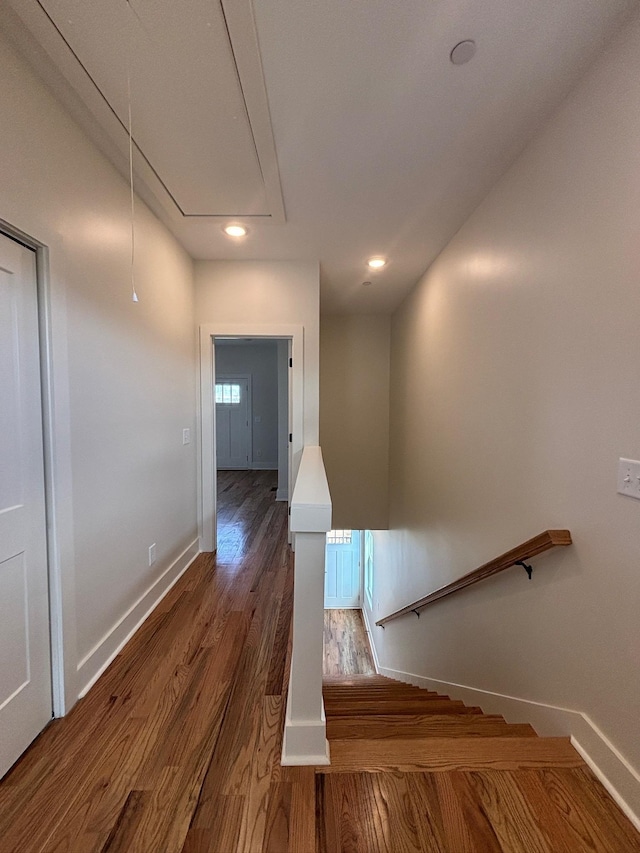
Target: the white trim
(206, 433)
(56, 621)
(299, 742)
(102, 654)
(311, 501)
(305, 741)
(54, 379)
(305, 726)
(605, 781)
(282, 495)
(617, 775)
(374, 652)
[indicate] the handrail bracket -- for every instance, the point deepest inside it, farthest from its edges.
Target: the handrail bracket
(528, 569)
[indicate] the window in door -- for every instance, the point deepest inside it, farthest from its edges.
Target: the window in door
(228, 393)
(339, 537)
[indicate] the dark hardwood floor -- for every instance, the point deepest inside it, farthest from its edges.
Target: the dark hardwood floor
(176, 749)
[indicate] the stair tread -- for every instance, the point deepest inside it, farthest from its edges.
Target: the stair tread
(446, 754)
(418, 726)
(370, 695)
(374, 688)
(398, 706)
(333, 699)
(360, 677)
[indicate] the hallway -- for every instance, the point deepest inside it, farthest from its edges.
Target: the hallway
(177, 746)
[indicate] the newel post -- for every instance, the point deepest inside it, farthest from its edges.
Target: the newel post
(305, 740)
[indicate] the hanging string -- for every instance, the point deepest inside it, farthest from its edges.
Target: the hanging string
(134, 295)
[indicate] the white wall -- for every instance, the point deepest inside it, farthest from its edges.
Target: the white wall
(267, 293)
(514, 390)
(354, 417)
(124, 374)
(259, 361)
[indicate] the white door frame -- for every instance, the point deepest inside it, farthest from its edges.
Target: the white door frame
(207, 497)
(247, 377)
(57, 475)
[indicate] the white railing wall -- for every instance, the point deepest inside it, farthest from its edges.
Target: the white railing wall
(305, 737)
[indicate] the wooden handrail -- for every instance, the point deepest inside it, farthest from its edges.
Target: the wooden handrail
(540, 543)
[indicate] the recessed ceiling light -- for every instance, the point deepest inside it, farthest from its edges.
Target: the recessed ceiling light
(376, 263)
(366, 283)
(463, 52)
(235, 231)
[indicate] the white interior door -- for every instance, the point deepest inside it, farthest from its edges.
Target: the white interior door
(342, 569)
(233, 434)
(25, 668)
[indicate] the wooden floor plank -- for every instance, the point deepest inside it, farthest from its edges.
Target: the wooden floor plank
(275, 680)
(555, 811)
(276, 834)
(508, 812)
(466, 825)
(423, 792)
(257, 799)
(582, 812)
(302, 822)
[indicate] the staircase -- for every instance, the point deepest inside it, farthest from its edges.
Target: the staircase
(414, 770)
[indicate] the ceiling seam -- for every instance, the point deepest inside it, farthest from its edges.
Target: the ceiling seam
(244, 100)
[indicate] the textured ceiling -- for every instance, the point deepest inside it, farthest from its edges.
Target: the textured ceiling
(349, 112)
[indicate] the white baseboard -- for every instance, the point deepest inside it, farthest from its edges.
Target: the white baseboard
(94, 664)
(305, 741)
(296, 749)
(617, 775)
(282, 495)
(372, 646)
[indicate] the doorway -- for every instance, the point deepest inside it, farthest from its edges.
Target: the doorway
(25, 655)
(290, 342)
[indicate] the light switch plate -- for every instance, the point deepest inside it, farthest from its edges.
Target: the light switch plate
(629, 478)
(186, 436)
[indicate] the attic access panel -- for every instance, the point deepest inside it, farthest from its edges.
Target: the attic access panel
(189, 113)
